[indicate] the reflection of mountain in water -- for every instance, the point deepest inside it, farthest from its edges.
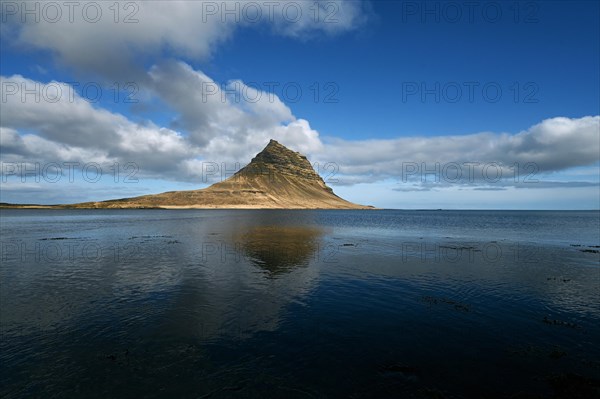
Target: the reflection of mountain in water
(279, 249)
(263, 264)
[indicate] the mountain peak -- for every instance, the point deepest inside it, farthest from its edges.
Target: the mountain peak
(276, 158)
(276, 147)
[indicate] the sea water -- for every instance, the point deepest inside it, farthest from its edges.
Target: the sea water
(295, 304)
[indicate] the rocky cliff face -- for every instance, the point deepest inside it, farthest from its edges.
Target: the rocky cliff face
(277, 159)
(276, 178)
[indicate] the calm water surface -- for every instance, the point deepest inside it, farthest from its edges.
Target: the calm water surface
(299, 304)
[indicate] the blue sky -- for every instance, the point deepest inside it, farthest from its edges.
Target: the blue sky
(559, 53)
(398, 83)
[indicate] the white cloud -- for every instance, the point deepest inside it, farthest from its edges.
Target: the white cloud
(228, 124)
(114, 45)
(71, 129)
(553, 145)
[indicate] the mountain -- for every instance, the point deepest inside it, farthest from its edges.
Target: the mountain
(276, 178)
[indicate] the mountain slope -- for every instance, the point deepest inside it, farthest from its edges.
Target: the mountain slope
(276, 178)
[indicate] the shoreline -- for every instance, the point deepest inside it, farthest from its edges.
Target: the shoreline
(178, 207)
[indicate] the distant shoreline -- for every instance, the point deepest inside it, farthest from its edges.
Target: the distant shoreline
(176, 207)
(169, 207)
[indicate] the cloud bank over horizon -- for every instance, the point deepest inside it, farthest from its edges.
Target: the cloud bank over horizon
(223, 131)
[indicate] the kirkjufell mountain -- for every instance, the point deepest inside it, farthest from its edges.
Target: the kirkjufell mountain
(276, 178)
